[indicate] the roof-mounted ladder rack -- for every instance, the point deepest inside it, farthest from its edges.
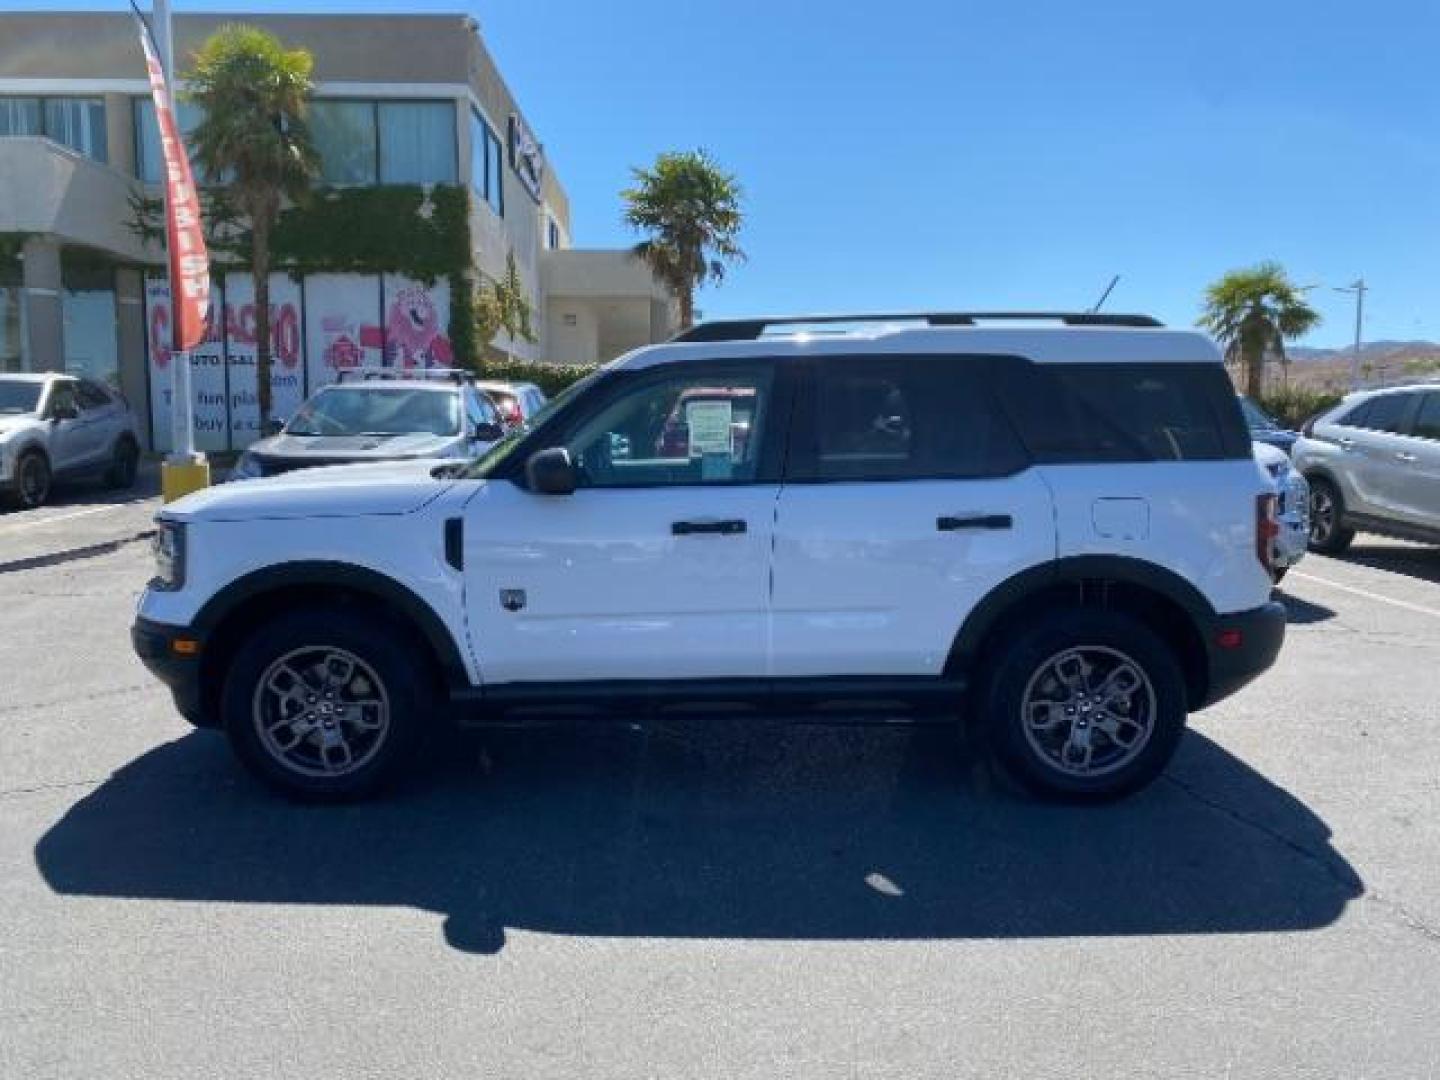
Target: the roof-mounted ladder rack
(753, 329)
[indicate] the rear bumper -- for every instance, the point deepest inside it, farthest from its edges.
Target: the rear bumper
(1241, 646)
(154, 644)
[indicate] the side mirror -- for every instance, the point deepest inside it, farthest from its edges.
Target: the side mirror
(64, 412)
(550, 472)
(488, 432)
(272, 427)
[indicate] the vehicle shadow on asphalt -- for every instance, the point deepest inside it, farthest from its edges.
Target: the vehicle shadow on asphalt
(1298, 612)
(77, 492)
(718, 829)
(1411, 560)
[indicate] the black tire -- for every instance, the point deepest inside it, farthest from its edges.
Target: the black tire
(1328, 534)
(1107, 636)
(125, 466)
(396, 667)
(32, 480)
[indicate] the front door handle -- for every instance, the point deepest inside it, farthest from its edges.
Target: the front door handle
(726, 527)
(974, 521)
(1401, 455)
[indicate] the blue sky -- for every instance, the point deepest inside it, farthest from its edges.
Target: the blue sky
(977, 154)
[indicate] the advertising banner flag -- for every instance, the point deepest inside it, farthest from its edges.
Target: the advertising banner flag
(184, 236)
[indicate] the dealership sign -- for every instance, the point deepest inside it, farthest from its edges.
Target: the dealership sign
(527, 157)
(327, 324)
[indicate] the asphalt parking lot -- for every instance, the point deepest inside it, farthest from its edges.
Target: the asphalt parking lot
(710, 898)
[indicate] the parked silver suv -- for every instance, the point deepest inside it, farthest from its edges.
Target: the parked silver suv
(1373, 463)
(59, 426)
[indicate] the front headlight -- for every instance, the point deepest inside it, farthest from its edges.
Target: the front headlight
(247, 468)
(169, 550)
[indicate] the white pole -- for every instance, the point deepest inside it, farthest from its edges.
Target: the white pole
(182, 421)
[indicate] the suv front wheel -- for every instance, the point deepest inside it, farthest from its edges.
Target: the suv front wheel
(1084, 704)
(325, 705)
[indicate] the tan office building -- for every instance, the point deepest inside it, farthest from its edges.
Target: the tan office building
(402, 103)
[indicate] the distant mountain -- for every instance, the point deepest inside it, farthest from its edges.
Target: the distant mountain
(1370, 350)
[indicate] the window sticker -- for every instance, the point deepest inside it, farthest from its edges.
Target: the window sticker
(710, 430)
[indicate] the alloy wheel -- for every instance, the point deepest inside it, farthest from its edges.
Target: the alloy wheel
(1322, 515)
(34, 481)
(1088, 711)
(321, 711)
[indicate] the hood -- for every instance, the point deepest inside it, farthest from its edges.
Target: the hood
(14, 422)
(353, 447)
(337, 491)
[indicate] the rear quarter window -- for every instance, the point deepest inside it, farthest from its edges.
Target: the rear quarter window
(1077, 413)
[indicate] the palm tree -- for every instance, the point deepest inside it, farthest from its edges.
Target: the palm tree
(691, 209)
(254, 141)
(1252, 313)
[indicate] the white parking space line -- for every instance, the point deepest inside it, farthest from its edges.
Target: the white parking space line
(1368, 595)
(4, 529)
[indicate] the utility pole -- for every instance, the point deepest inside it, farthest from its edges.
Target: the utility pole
(1359, 288)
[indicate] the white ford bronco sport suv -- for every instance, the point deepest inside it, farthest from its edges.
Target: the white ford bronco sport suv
(1058, 533)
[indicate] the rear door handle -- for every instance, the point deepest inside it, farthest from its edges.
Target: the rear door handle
(1401, 455)
(726, 527)
(974, 521)
(1346, 444)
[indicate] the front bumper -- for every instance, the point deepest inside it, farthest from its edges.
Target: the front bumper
(1241, 646)
(156, 645)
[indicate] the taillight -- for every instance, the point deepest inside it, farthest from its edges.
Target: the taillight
(1266, 531)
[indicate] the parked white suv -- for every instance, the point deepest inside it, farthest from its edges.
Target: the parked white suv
(54, 425)
(1059, 532)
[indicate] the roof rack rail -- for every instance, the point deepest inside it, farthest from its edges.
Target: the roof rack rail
(459, 376)
(753, 329)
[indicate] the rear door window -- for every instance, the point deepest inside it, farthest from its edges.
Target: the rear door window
(1388, 413)
(901, 418)
(1427, 420)
(91, 396)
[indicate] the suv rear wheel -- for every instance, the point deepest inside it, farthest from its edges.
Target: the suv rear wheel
(124, 465)
(1084, 704)
(1327, 512)
(325, 705)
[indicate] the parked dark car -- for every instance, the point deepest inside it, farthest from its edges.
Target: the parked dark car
(1265, 428)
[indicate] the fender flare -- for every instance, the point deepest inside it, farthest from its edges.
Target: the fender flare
(346, 575)
(1076, 570)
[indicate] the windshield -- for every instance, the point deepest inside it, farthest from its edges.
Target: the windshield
(1256, 417)
(486, 464)
(370, 410)
(19, 397)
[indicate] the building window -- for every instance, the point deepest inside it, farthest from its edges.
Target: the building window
(417, 142)
(12, 324)
(87, 306)
(78, 123)
(20, 116)
(552, 233)
(149, 162)
(345, 137)
(485, 174)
